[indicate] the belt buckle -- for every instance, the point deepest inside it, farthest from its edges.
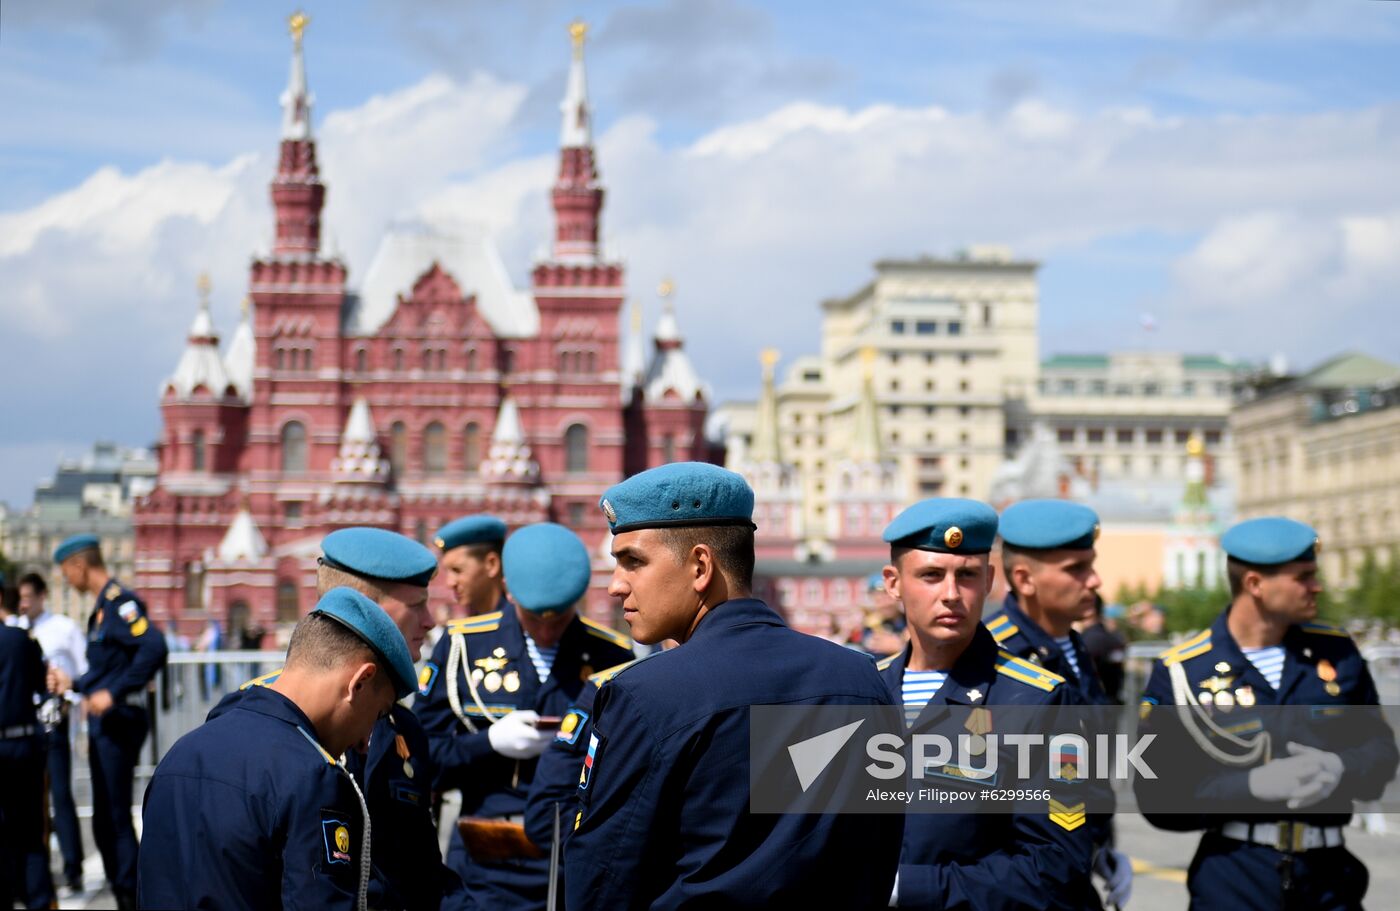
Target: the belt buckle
(1291, 837)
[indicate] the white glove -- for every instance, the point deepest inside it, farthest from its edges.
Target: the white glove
(516, 736)
(1283, 779)
(1321, 786)
(1116, 868)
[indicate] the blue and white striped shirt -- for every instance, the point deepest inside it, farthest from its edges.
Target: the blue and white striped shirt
(1067, 647)
(919, 687)
(541, 658)
(1269, 662)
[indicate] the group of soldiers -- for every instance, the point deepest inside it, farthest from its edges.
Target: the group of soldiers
(592, 779)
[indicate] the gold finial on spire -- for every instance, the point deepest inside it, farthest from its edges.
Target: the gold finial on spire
(578, 30)
(867, 361)
(202, 285)
(768, 357)
(1195, 446)
(296, 24)
(246, 306)
(666, 289)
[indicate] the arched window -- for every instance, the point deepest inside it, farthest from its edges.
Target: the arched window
(507, 360)
(591, 362)
(434, 448)
(277, 359)
(194, 586)
(197, 445)
(293, 447)
(398, 448)
(307, 359)
(668, 448)
(563, 362)
(361, 361)
(398, 360)
(441, 360)
(471, 447)
(576, 448)
(427, 359)
(288, 605)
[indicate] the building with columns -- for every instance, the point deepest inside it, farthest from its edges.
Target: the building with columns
(432, 389)
(1323, 447)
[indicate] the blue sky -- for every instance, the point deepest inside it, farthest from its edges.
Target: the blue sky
(1227, 165)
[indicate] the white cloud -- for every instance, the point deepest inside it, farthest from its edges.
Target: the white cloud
(757, 221)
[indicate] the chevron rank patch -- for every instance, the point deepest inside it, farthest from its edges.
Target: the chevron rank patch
(1068, 818)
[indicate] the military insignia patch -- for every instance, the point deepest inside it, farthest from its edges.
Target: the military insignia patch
(128, 612)
(336, 832)
(953, 537)
(426, 677)
(113, 590)
(609, 512)
(572, 726)
(139, 627)
(587, 774)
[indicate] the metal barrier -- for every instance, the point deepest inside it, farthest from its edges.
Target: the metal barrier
(194, 682)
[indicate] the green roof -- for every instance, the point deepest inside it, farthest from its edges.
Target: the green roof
(1205, 362)
(1349, 370)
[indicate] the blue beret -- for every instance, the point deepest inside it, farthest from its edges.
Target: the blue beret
(368, 621)
(678, 494)
(75, 545)
(1049, 525)
(470, 530)
(875, 581)
(945, 525)
(1270, 541)
(546, 567)
(373, 553)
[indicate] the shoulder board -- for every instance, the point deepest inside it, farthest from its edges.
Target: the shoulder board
(884, 663)
(1198, 644)
(265, 680)
(1033, 674)
(1324, 629)
(1002, 628)
(603, 677)
(484, 623)
(606, 634)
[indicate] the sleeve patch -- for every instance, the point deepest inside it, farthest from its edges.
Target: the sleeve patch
(426, 678)
(335, 829)
(1068, 818)
(589, 761)
(571, 728)
(139, 627)
(128, 611)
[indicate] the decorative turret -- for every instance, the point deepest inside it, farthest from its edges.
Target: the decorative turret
(297, 192)
(671, 374)
(578, 197)
(241, 356)
(766, 446)
(510, 460)
(200, 368)
(359, 460)
(243, 542)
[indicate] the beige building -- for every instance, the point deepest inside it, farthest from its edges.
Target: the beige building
(954, 345)
(1127, 416)
(1323, 447)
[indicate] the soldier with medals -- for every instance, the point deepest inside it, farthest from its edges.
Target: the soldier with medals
(1047, 558)
(953, 674)
(254, 809)
(491, 698)
(1272, 788)
(394, 768)
(124, 654)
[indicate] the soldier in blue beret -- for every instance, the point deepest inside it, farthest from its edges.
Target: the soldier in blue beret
(664, 817)
(1297, 780)
(940, 571)
(124, 654)
(491, 693)
(1047, 556)
(254, 809)
(396, 770)
(471, 562)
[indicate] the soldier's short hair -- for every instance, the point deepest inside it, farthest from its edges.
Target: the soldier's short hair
(329, 577)
(1235, 571)
(324, 643)
(732, 546)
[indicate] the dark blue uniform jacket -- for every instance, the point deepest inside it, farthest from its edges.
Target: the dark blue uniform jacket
(249, 811)
(124, 650)
(993, 860)
(664, 817)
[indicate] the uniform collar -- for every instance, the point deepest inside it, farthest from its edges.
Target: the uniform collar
(1224, 648)
(973, 672)
(264, 700)
(734, 613)
(1049, 651)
